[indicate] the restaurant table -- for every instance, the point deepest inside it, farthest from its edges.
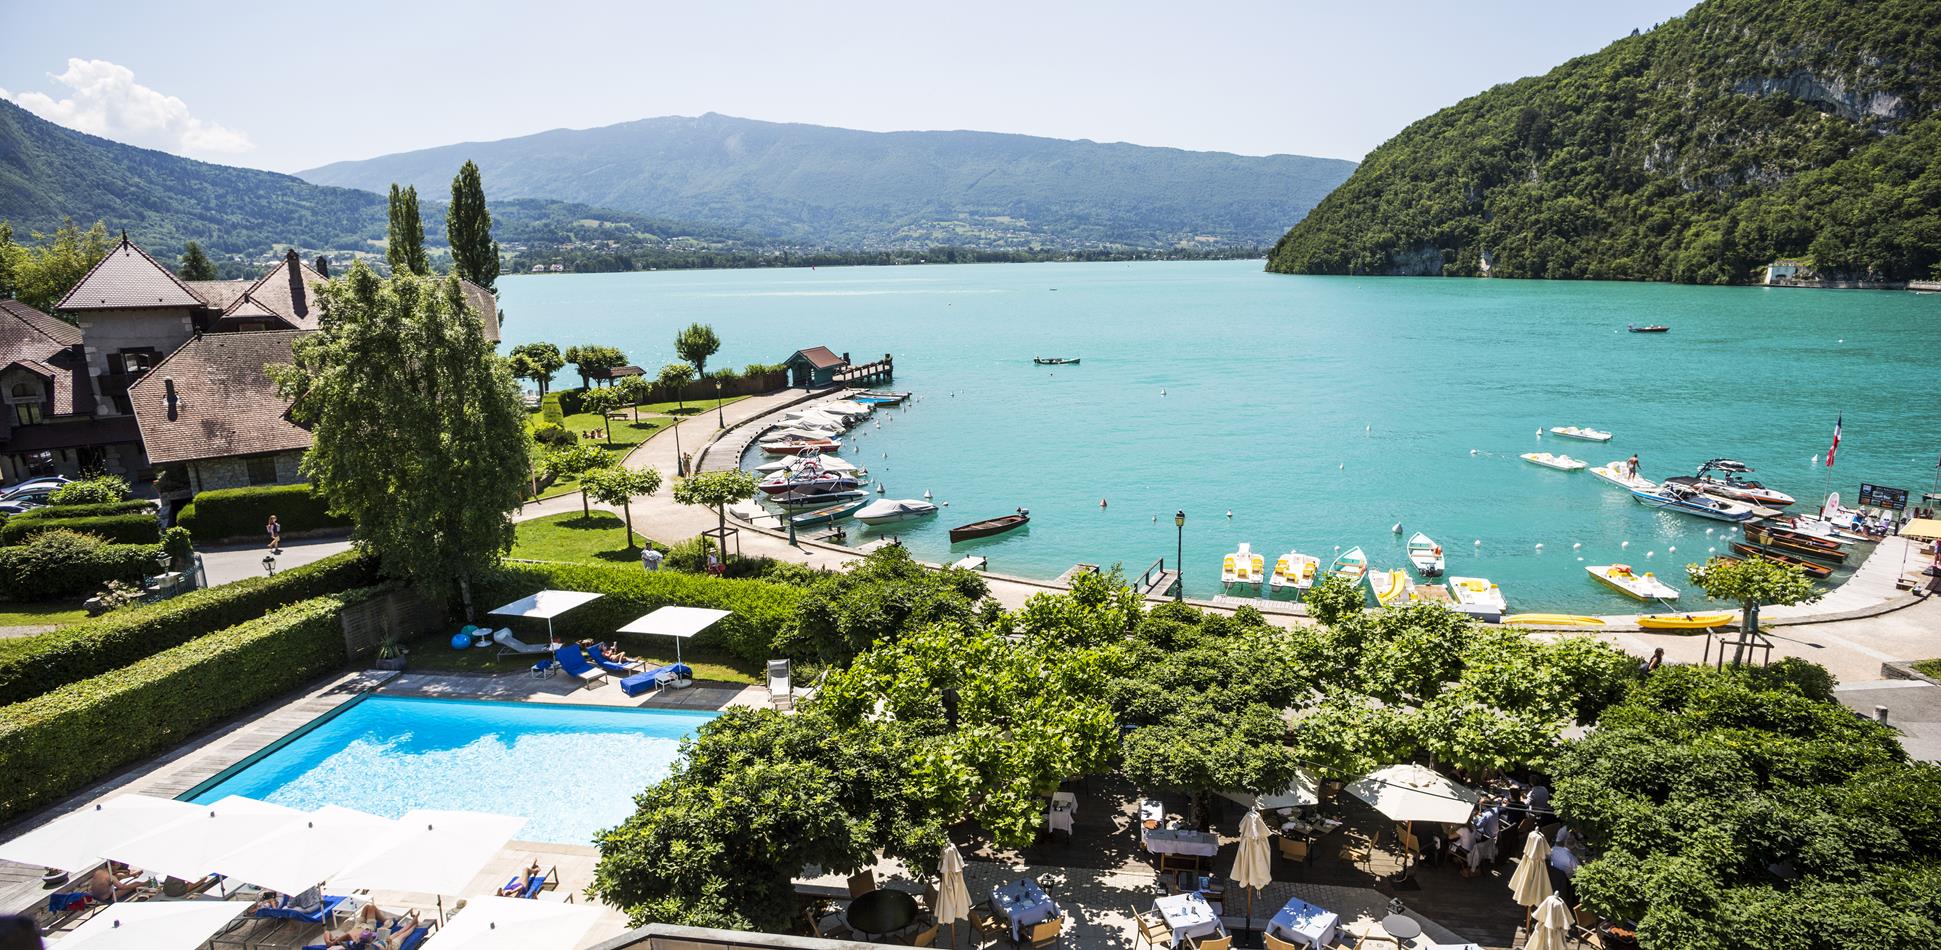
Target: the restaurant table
(883, 912)
(1064, 807)
(1187, 915)
(1182, 841)
(1305, 923)
(1022, 903)
(1402, 927)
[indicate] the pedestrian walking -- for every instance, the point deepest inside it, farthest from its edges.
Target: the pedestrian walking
(276, 535)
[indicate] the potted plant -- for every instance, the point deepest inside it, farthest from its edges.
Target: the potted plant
(391, 654)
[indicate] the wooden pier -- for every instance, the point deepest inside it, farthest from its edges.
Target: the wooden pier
(867, 374)
(1157, 580)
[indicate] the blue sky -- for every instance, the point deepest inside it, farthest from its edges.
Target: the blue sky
(288, 86)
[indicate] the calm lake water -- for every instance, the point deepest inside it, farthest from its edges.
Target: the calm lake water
(1320, 411)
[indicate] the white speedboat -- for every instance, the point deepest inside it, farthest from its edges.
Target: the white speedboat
(1478, 597)
(806, 480)
(1585, 433)
(826, 514)
(1351, 564)
(1389, 586)
(1295, 571)
(821, 463)
(1620, 578)
(1425, 554)
(893, 510)
(1689, 502)
(1242, 566)
(1562, 463)
(802, 500)
(1619, 474)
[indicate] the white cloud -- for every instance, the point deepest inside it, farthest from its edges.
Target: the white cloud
(104, 99)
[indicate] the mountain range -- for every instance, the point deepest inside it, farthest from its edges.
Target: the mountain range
(1742, 132)
(820, 186)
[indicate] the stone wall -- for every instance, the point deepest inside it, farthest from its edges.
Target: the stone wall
(233, 472)
(109, 331)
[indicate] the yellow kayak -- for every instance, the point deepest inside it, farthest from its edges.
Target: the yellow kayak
(1686, 621)
(1553, 620)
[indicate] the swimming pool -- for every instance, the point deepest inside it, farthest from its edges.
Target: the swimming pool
(571, 770)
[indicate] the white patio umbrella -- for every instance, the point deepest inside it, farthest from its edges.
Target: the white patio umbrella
(1531, 882)
(1552, 925)
(153, 925)
(953, 897)
(1410, 793)
(434, 852)
(1252, 864)
(545, 605)
(677, 622)
(189, 849)
(509, 923)
(82, 839)
(307, 852)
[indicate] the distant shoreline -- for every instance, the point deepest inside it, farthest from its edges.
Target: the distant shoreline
(522, 265)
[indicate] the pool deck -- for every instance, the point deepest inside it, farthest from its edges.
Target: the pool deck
(199, 759)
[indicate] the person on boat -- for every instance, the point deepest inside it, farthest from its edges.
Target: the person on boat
(1631, 465)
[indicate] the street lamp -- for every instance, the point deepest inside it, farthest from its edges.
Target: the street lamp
(719, 419)
(1179, 549)
(680, 460)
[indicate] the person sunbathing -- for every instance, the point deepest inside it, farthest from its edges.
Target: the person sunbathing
(108, 884)
(519, 884)
(372, 930)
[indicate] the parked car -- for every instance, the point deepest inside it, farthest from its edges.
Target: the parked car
(45, 483)
(24, 502)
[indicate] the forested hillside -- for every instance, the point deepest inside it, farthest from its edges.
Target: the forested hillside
(1742, 132)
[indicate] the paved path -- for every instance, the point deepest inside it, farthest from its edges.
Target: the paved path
(234, 562)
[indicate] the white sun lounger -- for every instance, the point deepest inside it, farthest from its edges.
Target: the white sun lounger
(510, 645)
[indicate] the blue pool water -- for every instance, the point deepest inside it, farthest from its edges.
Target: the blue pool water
(571, 770)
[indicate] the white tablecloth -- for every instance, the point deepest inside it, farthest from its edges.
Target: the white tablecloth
(1182, 841)
(1188, 915)
(1305, 923)
(1064, 807)
(1022, 903)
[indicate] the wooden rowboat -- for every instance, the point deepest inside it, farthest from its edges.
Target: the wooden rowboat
(1815, 571)
(989, 526)
(1819, 549)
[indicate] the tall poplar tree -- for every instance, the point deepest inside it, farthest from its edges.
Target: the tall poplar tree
(404, 247)
(468, 226)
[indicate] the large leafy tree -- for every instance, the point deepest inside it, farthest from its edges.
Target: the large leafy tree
(847, 612)
(634, 390)
(418, 433)
(619, 485)
(196, 264)
(9, 251)
(543, 360)
(1752, 583)
(590, 358)
(577, 460)
(673, 379)
(695, 344)
(1205, 748)
(716, 490)
(404, 246)
(41, 273)
(602, 402)
(468, 226)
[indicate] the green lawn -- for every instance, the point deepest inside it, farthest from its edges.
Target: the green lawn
(48, 613)
(1929, 668)
(596, 539)
(435, 655)
(626, 433)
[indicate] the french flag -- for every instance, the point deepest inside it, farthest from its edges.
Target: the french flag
(1836, 439)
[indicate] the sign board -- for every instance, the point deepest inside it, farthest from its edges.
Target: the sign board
(1880, 496)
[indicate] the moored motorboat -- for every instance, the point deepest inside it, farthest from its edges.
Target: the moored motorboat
(816, 499)
(1295, 571)
(1651, 328)
(807, 462)
(1425, 554)
(879, 398)
(1690, 502)
(1818, 572)
(826, 514)
(893, 510)
(1055, 360)
(1389, 586)
(1553, 620)
(1706, 621)
(786, 482)
(1621, 578)
(1585, 433)
(1478, 597)
(1242, 566)
(1562, 463)
(797, 445)
(1619, 474)
(990, 526)
(1728, 484)
(1351, 564)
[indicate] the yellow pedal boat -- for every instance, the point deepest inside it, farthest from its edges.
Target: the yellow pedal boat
(1686, 621)
(1553, 620)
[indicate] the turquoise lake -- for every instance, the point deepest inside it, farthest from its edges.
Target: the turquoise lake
(1320, 411)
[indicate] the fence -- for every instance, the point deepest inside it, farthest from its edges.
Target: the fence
(400, 613)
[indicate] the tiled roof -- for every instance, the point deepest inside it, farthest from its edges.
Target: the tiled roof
(45, 346)
(54, 328)
(248, 308)
(820, 357)
(219, 293)
(128, 279)
(486, 304)
(288, 291)
(225, 403)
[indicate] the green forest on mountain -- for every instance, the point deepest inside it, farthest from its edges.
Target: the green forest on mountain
(1697, 152)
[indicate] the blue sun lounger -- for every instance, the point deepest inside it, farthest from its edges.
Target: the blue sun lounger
(411, 940)
(547, 880)
(614, 666)
(573, 660)
(652, 679)
(316, 916)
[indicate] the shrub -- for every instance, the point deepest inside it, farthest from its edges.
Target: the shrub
(59, 562)
(130, 528)
(572, 402)
(128, 636)
(100, 489)
(761, 609)
(551, 411)
(691, 556)
(179, 547)
(58, 742)
(58, 512)
(230, 513)
(552, 435)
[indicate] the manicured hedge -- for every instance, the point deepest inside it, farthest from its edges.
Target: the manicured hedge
(59, 742)
(28, 572)
(58, 512)
(132, 634)
(761, 609)
(130, 528)
(226, 514)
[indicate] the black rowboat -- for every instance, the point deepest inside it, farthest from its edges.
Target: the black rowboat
(989, 526)
(1816, 571)
(1055, 360)
(1654, 328)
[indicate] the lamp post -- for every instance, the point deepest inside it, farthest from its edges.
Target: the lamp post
(680, 461)
(1179, 555)
(719, 419)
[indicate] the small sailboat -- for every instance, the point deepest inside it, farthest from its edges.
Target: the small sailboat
(1586, 433)
(1389, 586)
(893, 510)
(1621, 578)
(1242, 566)
(1295, 571)
(1478, 597)
(1425, 554)
(1562, 463)
(1619, 474)
(1352, 564)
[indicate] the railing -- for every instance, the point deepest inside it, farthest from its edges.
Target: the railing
(1147, 577)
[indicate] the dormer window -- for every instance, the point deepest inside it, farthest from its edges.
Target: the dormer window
(25, 399)
(133, 364)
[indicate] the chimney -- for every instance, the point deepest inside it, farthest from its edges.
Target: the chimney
(323, 266)
(294, 266)
(845, 356)
(168, 394)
